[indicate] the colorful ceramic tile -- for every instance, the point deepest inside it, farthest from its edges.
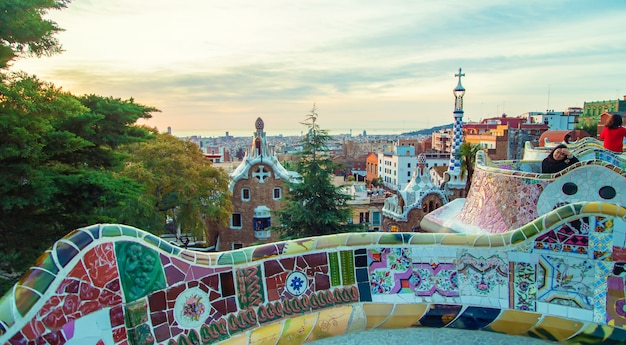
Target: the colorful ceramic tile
(474, 318)
(440, 315)
(615, 301)
(523, 294)
(565, 281)
(250, 287)
(390, 270)
(192, 308)
(335, 275)
(434, 278)
(601, 245)
(603, 269)
(482, 273)
(599, 334)
(514, 322)
(347, 267)
(140, 269)
(567, 238)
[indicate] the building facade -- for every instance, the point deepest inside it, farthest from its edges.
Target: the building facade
(257, 187)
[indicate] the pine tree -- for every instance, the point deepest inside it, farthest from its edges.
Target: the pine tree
(314, 206)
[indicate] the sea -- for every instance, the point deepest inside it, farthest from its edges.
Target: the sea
(209, 133)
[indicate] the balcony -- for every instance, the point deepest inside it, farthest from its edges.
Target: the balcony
(262, 234)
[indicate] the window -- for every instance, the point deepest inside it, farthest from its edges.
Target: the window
(408, 173)
(278, 193)
(261, 223)
(376, 218)
(245, 194)
(237, 245)
(364, 217)
(235, 220)
(408, 165)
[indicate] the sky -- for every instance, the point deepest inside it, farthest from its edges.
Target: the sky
(381, 66)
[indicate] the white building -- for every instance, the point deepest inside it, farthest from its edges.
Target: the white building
(556, 120)
(396, 168)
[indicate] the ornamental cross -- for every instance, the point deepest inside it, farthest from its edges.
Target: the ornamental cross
(460, 74)
(261, 174)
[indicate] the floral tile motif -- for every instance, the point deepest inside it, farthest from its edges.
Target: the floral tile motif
(482, 273)
(615, 301)
(523, 294)
(572, 237)
(603, 269)
(390, 270)
(565, 281)
(436, 278)
(601, 245)
(141, 271)
(314, 266)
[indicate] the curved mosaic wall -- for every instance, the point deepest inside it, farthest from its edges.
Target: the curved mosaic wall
(506, 194)
(560, 277)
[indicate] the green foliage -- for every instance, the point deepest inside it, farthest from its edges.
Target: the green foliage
(589, 124)
(23, 29)
(55, 174)
(179, 182)
(467, 154)
(314, 206)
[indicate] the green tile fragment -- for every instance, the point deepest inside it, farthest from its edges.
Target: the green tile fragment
(335, 275)
(347, 267)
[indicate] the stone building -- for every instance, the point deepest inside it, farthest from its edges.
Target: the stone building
(258, 188)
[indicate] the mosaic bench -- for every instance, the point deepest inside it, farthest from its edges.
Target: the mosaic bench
(560, 277)
(502, 197)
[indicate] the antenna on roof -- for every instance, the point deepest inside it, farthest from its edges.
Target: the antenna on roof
(548, 107)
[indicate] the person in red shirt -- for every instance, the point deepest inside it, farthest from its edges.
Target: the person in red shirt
(613, 134)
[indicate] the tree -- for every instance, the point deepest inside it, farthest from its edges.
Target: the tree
(55, 175)
(467, 154)
(179, 183)
(314, 206)
(23, 29)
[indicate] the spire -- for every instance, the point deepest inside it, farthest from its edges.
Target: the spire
(259, 142)
(457, 135)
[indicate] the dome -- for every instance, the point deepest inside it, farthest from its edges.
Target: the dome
(259, 123)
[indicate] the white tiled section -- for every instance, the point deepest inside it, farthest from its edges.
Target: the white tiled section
(594, 178)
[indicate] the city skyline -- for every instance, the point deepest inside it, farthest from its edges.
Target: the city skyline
(216, 67)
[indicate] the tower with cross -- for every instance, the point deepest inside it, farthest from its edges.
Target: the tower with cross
(457, 130)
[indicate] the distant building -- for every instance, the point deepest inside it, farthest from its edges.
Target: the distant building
(257, 187)
(593, 110)
(395, 167)
(555, 120)
(371, 168)
(597, 108)
(441, 141)
(503, 137)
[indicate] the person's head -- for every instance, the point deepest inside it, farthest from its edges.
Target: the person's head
(559, 153)
(615, 121)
